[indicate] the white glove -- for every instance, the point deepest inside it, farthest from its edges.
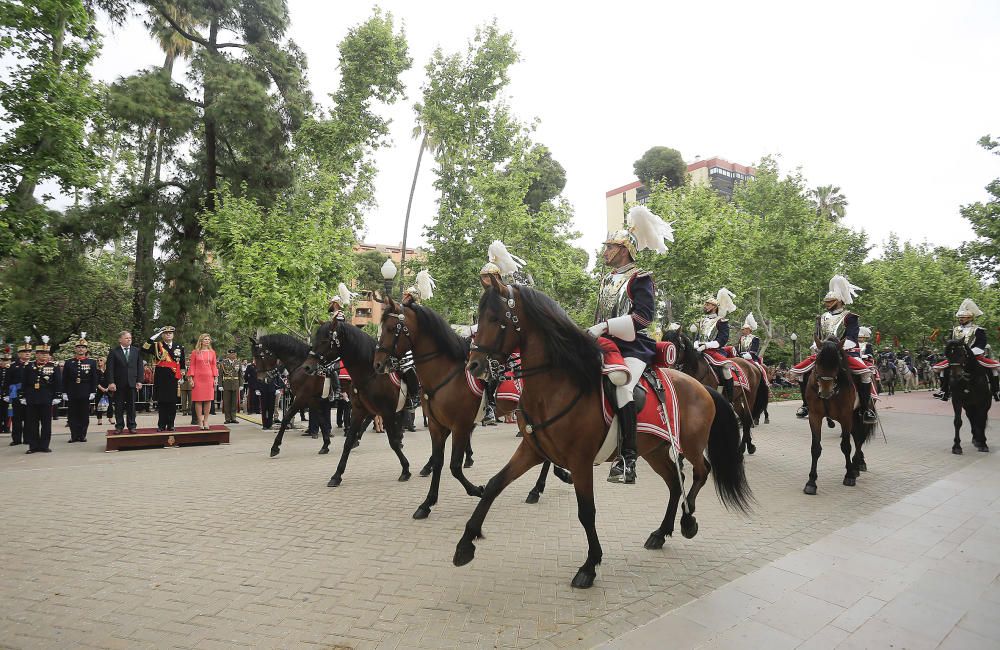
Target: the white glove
(65, 397)
(978, 351)
(849, 344)
(712, 345)
(4, 398)
(747, 356)
(256, 392)
(55, 401)
(597, 330)
(23, 401)
(156, 334)
(92, 396)
(699, 346)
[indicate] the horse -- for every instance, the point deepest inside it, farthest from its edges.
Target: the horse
(906, 375)
(371, 394)
(307, 389)
(888, 375)
(969, 385)
(831, 395)
(561, 419)
(439, 357)
(748, 404)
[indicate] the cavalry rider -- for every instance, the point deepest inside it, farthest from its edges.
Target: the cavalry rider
(713, 335)
(625, 307)
(867, 352)
(841, 324)
(423, 288)
(973, 336)
(336, 309)
(748, 346)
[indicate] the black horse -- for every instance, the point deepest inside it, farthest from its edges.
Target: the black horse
(970, 390)
(307, 389)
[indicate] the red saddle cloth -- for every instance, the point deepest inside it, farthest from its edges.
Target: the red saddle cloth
(509, 389)
(656, 418)
(343, 373)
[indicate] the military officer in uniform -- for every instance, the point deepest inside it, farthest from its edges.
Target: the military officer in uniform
(15, 389)
(5, 374)
(748, 345)
(79, 389)
(973, 336)
(713, 336)
(229, 374)
(169, 360)
(625, 307)
(41, 386)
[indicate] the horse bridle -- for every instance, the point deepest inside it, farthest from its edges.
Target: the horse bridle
(495, 352)
(399, 331)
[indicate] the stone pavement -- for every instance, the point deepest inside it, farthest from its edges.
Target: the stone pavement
(221, 546)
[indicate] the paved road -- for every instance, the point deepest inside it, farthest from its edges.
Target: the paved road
(222, 546)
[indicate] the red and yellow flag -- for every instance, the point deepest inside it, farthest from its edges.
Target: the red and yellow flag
(934, 334)
(878, 337)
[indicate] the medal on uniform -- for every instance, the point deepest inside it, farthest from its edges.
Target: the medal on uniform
(78, 380)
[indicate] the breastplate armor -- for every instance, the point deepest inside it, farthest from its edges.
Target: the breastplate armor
(965, 333)
(613, 300)
(832, 324)
(745, 343)
(708, 327)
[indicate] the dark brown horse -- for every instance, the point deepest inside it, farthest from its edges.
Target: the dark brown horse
(831, 395)
(562, 421)
(748, 404)
(371, 394)
(439, 358)
(970, 390)
(268, 352)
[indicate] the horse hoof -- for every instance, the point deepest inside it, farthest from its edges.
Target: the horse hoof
(274, 451)
(532, 497)
(850, 481)
(468, 463)
(478, 492)
(809, 489)
(335, 481)
(405, 476)
(829, 423)
(689, 527)
(422, 512)
(324, 450)
(426, 470)
(756, 422)
(655, 541)
(464, 553)
(767, 420)
(584, 579)
(862, 466)
(957, 450)
(751, 449)
(983, 449)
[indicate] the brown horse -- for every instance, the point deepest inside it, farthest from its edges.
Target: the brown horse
(371, 394)
(748, 404)
(831, 395)
(439, 358)
(307, 389)
(562, 421)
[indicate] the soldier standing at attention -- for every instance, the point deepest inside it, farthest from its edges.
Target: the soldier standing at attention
(15, 389)
(41, 386)
(169, 359)
(79, 389)
(229, 371)
(5, 374)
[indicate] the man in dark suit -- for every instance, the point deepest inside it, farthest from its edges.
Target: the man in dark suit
(124, 380)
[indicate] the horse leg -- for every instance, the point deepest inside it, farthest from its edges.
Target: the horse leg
(429, 466)
(536, 491)
(394, 431)
(524, 458)
(438, 438)
(815, 425)
(956, 405)
(659, 460)
(468, 453)
(292, 410)
(459, 442)
(351, 435)
(700, 468)
(587, 513)
(325, 426)
(859, 456)
(845, 446)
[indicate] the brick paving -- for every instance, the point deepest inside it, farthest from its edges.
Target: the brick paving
(224, 547)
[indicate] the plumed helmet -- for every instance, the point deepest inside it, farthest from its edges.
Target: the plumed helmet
(644, 230)
(44, 345)
(26, 346)
(750, 322)
(841, 289)
(864, 332)
(82, 341)
(969, 308)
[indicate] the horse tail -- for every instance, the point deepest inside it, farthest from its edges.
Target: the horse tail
(762, 397)
(726, 459)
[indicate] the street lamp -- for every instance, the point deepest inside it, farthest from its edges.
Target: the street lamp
(795, 346)
(388, 274)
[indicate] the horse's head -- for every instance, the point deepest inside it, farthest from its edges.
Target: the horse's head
(830, 370)
(499, 332)
(264, 360)
(960, 358)
(394, 340)
(325, 349)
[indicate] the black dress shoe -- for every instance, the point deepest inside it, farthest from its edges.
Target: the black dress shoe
(14, 444)
(71, 440)
(30, 451)
(82, 440)
(170, 428)
(47, 451)
(119, 432)
(131, 431)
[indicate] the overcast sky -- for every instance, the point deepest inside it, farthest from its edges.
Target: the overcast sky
(884, 99)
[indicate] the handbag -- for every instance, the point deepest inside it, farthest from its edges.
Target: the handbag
(102, 404)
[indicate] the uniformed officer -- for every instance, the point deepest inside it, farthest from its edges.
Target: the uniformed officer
(14, 390)
(748, 345)
(973, 336)
(169, 360)
(265, 392)
(229, 374)
(79, 389)
(5, 373)
(41, 384)
(713, 337)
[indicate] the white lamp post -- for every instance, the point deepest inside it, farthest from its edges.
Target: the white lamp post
(388, 274)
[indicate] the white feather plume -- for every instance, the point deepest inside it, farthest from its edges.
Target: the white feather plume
(649, 230)
(842, 289)
(83, 335)
(969, 308)
(750, 322)
(865, 332)
(346, 295)
(27, 339)
(693, 328)
(425, 284)
(726, 304)
(506, 262)
(45, 338)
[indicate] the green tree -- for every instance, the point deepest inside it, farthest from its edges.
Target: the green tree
(549, 182)
(984, 251)
(830, 203)
(661, 164)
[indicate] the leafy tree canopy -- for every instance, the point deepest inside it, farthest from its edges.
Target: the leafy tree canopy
(661, 164)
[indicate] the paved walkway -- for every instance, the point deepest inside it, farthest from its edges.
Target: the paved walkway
(222, 546)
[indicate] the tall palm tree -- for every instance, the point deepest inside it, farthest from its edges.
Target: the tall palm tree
(428, 142)
(830, 203)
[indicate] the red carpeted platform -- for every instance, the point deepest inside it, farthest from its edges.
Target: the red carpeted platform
(151, 438)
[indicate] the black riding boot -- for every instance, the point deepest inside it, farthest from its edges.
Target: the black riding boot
(868, 415)
(946, 386)
(803, 411)
(727, 389)
(995, 387)
(412, 389)
(623, 469)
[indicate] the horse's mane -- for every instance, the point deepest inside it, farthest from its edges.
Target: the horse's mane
(567, 347)
(830, 357)
(355, 343)
(957, 345)
(678, 337)
(446, 339)
(284, 346)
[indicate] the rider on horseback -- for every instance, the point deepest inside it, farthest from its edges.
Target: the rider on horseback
(423, 288)
(973, 336)
(713, 334)
(838, 322)
(625, 307)
(336, 309)
(748, 345)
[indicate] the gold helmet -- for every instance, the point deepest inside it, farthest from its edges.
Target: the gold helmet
(624, 238)
(26, 346)
(82, 341)
(44, 345)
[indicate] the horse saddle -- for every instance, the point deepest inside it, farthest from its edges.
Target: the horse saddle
(639, 393)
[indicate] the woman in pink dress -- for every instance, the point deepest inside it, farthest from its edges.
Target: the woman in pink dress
(204, 373)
